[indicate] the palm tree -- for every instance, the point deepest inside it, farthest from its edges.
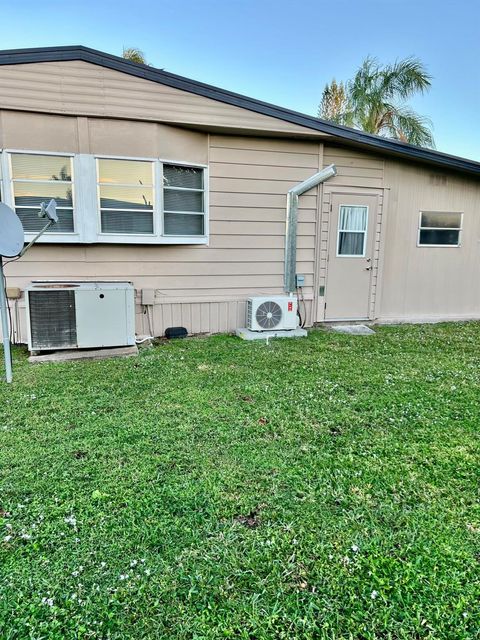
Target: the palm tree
(334, 102)
(375, 101)
(134, 55)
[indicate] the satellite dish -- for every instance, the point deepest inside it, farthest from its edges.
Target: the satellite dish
(11, 232)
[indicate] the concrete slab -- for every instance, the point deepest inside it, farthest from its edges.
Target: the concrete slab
(246, 334)
(85, 354)
(353, 329)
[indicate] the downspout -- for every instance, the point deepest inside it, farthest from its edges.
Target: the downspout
(291, 229)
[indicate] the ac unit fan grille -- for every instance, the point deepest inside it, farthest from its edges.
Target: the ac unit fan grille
(52, 319)
(268, 314)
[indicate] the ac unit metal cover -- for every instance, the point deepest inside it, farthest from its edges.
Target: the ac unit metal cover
(272, 313)
(67, 315)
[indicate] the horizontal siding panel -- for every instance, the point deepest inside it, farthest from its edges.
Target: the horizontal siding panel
(356, 181)
(265, 144)
(271, 158)
(117, 269)
(253, 215)
(101, 254)
(259, 171)
(269, 242)
(261, 200)
(242, 185)
(231, 227)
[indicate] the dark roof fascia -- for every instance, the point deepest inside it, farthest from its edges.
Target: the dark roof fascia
(377, 143)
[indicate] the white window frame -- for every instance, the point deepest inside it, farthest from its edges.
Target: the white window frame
(365, 233)
(439, 246)
(153, 186)
(188, 213)
(9, 194)
(86, 203)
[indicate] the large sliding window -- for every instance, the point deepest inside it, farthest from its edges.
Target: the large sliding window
(125, 190)
(39, 178)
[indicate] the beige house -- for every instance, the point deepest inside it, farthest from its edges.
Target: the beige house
(181, 188)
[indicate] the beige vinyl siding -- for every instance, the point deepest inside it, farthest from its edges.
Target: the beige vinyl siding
(429, 283)
(203, 288)
(82, 88)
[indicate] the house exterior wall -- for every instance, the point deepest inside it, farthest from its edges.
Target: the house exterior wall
(82, 88)
(203, 288)
(429, 283)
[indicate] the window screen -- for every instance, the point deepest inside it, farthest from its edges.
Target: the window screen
(352, 231)
(183, 201)
(126, 196)
(439, 228)
(37, 179)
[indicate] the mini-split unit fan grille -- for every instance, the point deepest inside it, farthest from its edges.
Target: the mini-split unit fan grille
(268, 315)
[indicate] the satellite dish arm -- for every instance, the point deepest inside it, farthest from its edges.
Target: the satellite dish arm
(46, 211)
(27, 247)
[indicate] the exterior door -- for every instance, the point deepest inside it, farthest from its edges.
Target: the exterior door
(350, 256)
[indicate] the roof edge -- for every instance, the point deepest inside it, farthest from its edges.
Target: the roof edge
(110, 61)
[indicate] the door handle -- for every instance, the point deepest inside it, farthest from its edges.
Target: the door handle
(368, 268)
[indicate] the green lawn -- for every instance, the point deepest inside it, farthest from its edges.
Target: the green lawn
(214, 488)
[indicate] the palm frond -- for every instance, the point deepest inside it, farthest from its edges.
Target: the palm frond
(404, 78)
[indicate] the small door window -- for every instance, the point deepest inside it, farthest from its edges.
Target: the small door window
(352, 231)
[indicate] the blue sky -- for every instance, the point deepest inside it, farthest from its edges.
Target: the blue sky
(279, 51)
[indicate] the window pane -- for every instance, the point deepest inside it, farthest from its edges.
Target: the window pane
(439, 236)
(31, 221)
(186, 177)
(35, 167)
(183, 225)
(31, 194)
(125, 172)
(183, 200)
(435, 219)
(127, 221)
(351, 244)
(353, 219)
(126, 197)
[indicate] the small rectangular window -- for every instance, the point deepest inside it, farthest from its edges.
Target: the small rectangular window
(125, 191)
(352, 231)
(183, 201)
(39, 178)
(439, 228)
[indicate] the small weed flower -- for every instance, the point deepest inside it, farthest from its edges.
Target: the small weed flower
(48, 601)
(355, 548)
(71, 520)
(374, 595)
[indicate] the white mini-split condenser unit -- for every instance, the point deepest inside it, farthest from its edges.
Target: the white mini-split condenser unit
(272, 313)
(80, 315)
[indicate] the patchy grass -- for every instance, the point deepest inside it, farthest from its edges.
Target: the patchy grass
(324, 488)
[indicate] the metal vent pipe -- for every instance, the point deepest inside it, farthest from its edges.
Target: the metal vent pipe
(292, 215)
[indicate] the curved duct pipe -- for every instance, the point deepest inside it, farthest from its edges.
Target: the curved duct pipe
(292, 215)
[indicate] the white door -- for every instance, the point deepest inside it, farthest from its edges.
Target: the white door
(350, 257)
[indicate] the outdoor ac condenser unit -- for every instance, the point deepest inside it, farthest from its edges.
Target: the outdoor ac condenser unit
(272, 313)
(80, 315)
